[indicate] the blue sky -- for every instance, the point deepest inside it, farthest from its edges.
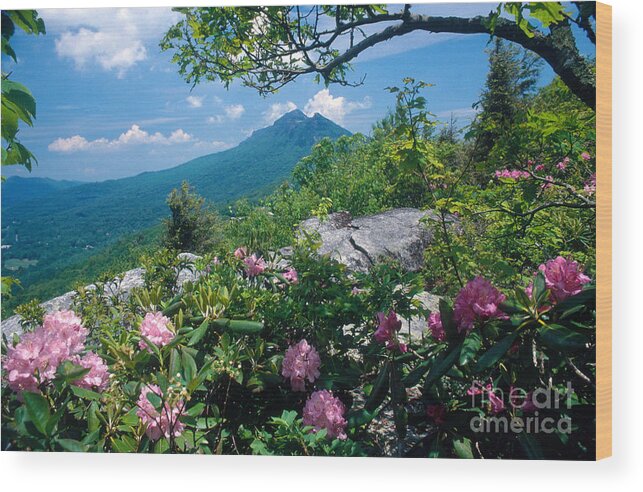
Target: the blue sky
(110, 104)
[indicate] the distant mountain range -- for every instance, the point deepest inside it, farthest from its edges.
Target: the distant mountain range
(46, 221)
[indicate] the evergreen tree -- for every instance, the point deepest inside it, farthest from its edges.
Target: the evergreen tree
(191, 223)
(512, 77)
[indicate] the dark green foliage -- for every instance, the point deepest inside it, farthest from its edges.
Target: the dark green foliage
(511, 80)
(190, 223)
(18, 104)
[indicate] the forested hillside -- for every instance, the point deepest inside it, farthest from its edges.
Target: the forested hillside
(58, 225)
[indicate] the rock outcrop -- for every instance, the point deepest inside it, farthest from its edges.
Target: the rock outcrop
(358, 243)
(121, 286)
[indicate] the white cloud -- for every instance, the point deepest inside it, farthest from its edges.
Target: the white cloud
(459, 113)
(234, 111)
(194, 101)
(334, 108)
(133, 136)
(113, 39)
(214, 120)
(215, 145)
(277, 110)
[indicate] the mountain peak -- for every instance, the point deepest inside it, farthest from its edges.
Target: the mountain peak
(294, 115)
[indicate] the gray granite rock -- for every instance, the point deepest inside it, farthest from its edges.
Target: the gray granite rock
(360, 242)
(121, 287)
(189, 273)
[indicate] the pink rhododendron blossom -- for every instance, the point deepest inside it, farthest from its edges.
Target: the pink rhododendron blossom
(524, 403)
(301, 362)
(590, 185)
(512, 174)
(563, 277)
(539, 167)
(254, 265)
(163, 423)
(435, 325)
(496, 405)
(437, 413)
(155, 327)
(98, 375)
(213, 264)
(477, 301)
(325, 411)
(549, 183)
(35, 358)
(29, 363)
(69, 331)
(561, 165)
(585, 156)
(291, 276)
(241, 253)
(386, 333)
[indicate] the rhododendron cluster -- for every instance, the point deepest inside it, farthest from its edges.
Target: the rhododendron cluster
(240, 253)
(562, 165)
(512, 174)
(291, 275)
(539, 167)
(301, 362)
(585, 156)
(254, 265)
(590, 185)
(549, 183)
(496, 405)
(524, 403)
(325, 411)
(477, 301)
(563, 278)
(386, 333)
(165, 423)
(98, 375)
(35, 359)
(155, 327)
(435, 325)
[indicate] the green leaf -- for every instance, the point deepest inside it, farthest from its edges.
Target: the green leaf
(240, 327)
(380, 389)
(68, 371)
(154, 399)
(470, 347)
(530, 446)
(442, 364)
(199, 333)
(196, 410)
(151, 346)
(85, 393)
(172, 309)
(561, 338)
(38, 410)
(446, 316)
(72, 445)
(125, 444)
(358, 418)
(586, 297)
(462, 448)
(540, 288)
(189, 365)
(493, 355)
(413, 377)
